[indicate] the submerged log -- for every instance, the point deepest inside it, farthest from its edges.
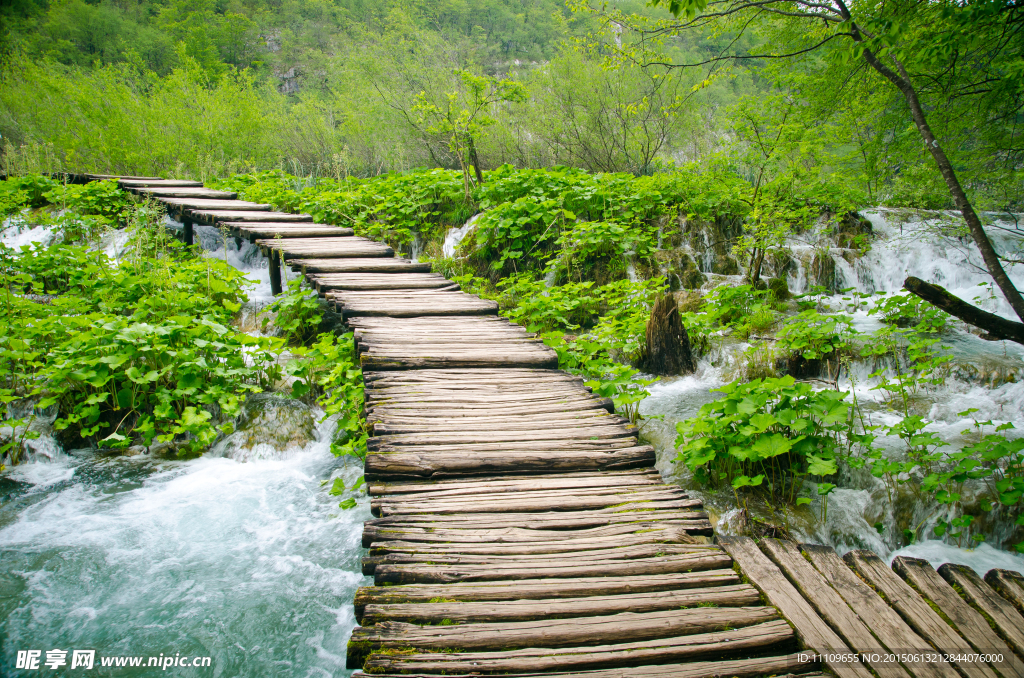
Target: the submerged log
(668, 345)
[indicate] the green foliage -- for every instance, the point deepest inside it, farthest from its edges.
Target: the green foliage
(141, 351)
(813, 335)
(102, 198)
(771, 431)
(296, 314)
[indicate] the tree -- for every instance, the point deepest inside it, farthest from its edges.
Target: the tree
(463, 114)
(963, 55)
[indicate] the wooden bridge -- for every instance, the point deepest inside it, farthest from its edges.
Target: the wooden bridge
(521, 529)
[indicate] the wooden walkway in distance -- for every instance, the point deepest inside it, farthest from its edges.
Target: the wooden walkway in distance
(521, 529)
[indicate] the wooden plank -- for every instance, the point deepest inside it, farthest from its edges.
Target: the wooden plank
(830, 605)
(617, 628)
(915, 611)
(965, 619)
(1000, 613)
(562, 501)
(184, 192)
(351, 246)
(567, 569)
(554, 481)
(381, 412)
(410, 303)
(449, 557)
(540, 357)
(208, 204)
(887, 625)
(541, 589)
(735, 595)
(787, 666)
(1008, 584)
(379, 281)
(355, 265)
(514, 535)
(747, 640)
(447, 463)
(660, 537)
(213, 216)
(272, 229)
(136, 183)
(810, 629)
(586, 433)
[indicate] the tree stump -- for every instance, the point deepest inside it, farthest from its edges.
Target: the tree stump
(668, 345)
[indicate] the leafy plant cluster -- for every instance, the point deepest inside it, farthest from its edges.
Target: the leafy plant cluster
(143, 350)
(775, 433)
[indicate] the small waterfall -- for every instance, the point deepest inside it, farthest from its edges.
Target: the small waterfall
(416, 246)
(455, 236)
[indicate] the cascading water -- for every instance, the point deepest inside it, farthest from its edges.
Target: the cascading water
(241, 555)
(455, 236)
(988, 376)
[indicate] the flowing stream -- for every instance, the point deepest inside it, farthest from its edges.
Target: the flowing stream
(240, 555)
(985, 375)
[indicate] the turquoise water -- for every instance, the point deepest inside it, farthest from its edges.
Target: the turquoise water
(251, 564)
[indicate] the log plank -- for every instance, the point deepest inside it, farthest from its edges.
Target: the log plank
(1008, 584)
(915, 610)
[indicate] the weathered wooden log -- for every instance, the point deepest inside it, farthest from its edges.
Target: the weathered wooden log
(735, 595)
(668, 345)
(356, 265)
(541, 589)
(886, 624)
(426, 409)
(830, 606)
(996, 326)
(665, 535)
(1008, 584)
(532, 502)
(183, 192)
(618, 628)
(394, 465)
(519, 535)
(961, 616)
(550, 520)
(542, 357)
(254, 231)
(915, 611)
(449, 558)
(810, 629)
(135, 183)
(587, 433)
(743, 641)
(213, 216)
(736, 668)
(1000, 612)
(401, 424)
(449, 574)
(329, 248)
(550, 482)
(210, 204)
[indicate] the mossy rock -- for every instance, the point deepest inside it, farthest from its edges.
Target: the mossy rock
(274, 420)
(780, 288)
(725, 265)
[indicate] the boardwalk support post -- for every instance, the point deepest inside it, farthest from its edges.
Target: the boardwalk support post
(275, 272)
(188, 234)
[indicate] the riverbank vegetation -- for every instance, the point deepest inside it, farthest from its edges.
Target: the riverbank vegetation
(576, 163)
(134, 340)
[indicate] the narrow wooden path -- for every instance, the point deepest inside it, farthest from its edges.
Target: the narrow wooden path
(520, 528)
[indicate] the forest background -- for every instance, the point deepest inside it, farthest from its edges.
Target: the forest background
(205, 88)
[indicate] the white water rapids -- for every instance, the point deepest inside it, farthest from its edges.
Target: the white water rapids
(251, 563)
(987, 375)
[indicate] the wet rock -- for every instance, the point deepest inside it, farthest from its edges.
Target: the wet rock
(135, 450)
(780, 288)
(852, 230)
(725, 265)
(822, 271)
(271, 419)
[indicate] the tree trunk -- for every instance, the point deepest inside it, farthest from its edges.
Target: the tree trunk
(997, 327)
(668, 345)
(988, 252)
(476, 162)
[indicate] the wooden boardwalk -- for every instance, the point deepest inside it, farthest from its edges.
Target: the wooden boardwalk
(520, 528)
